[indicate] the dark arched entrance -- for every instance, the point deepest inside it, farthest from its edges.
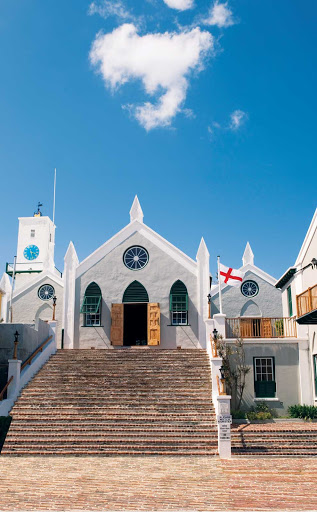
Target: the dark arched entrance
(135, 300)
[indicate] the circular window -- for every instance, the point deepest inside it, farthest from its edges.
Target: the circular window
(249, 288)
(136, 258)
(46, 292)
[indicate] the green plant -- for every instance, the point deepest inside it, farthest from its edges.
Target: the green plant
(279, 327)
(303, 411)
(238, 415)
(235, 368)
(260, 412)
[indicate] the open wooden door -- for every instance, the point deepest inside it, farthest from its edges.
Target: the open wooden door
(116, 334)
(266, 328)
(153, 324)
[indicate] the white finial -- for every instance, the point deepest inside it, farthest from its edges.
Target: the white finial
(136, 212)
(248, 256)
(71, 255)
(202, 252)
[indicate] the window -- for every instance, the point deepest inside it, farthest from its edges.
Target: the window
(91, 307)
(249, 289)
(179, 304)
(32, 233)
(264, 378)
(289, 300)
(46, 292)
(136, 258)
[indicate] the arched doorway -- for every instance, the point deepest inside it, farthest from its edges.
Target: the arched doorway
(135, 302)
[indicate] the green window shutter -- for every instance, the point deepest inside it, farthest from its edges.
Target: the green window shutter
(315, 371)
(290, 303)
(91, 300)
(265, 389)
(178, 297)
(135, 293)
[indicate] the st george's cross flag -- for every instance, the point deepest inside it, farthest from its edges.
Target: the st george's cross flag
(230, 276)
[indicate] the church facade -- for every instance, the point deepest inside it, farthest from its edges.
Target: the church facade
(138, 289)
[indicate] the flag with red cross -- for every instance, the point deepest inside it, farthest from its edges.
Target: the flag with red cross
(230, 276)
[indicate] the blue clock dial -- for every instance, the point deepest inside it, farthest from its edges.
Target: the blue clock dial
(31, 252)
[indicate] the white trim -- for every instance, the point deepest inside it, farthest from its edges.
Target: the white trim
(266, 399)
(36, 280)
(136, 227)
(308, 238)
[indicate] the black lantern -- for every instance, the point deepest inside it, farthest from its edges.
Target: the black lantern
(215, 333)
(54, 307)
(222, 372)
(16, 341)
(209, 305)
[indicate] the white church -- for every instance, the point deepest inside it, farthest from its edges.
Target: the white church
(138, 289)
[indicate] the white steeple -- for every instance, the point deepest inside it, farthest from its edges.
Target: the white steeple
(248, 256)
(202, 253)
(136, 212)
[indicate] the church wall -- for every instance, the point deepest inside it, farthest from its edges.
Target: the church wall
(157, 277)
(28, 307)
(286, 360)
(267, 303)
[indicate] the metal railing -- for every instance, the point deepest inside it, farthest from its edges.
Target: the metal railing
(24, 268)
(261, 328)
(307, 301)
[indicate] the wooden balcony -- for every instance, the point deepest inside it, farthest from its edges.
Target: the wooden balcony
(307, 305)
(261, 328)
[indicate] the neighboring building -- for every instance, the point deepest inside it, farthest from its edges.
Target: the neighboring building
(254, 312)
(37, 280)
(299, 294)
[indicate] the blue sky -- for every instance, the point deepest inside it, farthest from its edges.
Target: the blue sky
(230, 155)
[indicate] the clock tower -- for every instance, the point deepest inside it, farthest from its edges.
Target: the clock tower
(35, 252)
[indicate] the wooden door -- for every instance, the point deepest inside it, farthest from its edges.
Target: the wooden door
(116, 334)
(153, 324)
(266, 328)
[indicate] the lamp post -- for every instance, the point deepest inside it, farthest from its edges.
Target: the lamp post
(209, 305)
(16, 341)
(223, 386)
(54, 307)
(214, 343)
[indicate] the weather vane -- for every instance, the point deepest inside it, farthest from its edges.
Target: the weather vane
(38, 213)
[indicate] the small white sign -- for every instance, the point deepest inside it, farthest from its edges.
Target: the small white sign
(224, 418)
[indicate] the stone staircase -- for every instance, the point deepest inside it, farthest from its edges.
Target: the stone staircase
(116, 402)
(289, 439)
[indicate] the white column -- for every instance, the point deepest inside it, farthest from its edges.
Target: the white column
(14, 371)
(71, 264)
(306, 385)
(202, 258)
(220, 323)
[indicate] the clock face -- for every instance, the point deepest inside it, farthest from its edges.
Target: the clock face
(31, 252)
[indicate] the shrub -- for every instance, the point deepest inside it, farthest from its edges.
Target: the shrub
(303, 411)
(238, 415)
(260, 412)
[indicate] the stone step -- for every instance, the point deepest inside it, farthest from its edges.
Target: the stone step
(22, 452)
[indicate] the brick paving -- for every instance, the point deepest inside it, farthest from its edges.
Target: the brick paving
(193, 483)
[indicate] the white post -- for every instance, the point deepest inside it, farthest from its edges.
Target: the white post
(202, 258)
(306, 388)
(224, 420)
(220, 324)
(14, 371)
(71, 263)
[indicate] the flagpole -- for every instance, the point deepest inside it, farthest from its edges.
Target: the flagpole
(219, 282)
(54, 196)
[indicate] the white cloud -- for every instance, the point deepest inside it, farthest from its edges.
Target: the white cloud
(180, 5)
(107, 8)
(220, 15)
(237, 118)
(163, 62)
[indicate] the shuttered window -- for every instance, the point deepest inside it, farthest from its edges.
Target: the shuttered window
(91, 306)
(179, 304)
(264, 377)
(315, 373)
(289, 299)
(135, 293)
